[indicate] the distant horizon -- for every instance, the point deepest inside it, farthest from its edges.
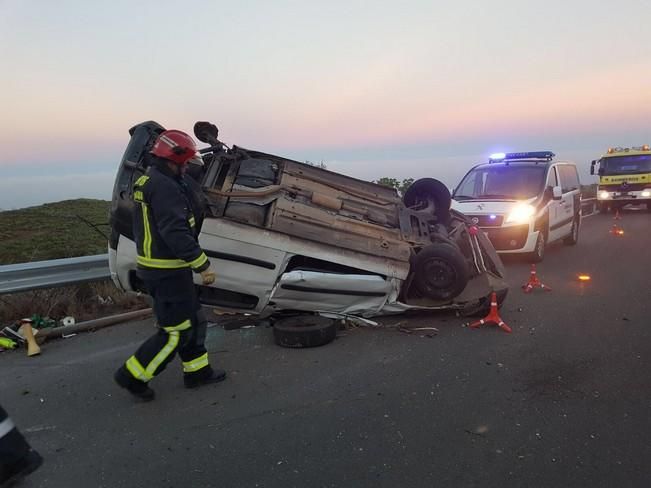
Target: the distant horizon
(398, 90)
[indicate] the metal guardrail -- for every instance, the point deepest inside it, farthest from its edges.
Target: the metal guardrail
(57, 272)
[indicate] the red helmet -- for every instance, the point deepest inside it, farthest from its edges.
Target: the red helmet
(175, 146)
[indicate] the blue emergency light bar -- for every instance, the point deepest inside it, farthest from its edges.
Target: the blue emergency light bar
(536, 155)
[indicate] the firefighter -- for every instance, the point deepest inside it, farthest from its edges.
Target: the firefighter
(17, 458)
(168, 253)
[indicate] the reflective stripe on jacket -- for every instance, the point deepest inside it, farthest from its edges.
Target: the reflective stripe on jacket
(164, 223)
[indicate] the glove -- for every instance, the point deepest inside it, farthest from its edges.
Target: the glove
(208, 277)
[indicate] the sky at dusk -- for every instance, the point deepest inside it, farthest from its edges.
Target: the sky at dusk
(371, 88)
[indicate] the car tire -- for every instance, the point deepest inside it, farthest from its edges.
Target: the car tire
(541, 245)
(573, 238)
(428, 190)
(304, 331)
(440, 271)
(602, 207)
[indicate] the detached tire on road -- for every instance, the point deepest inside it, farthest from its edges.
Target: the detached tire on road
(440, 271)
(304, 331)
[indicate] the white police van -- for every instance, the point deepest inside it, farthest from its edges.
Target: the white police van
(523, 201)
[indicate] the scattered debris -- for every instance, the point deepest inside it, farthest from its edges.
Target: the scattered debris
(68, 320)
(27, 331)
(40, 428)
(6, 343)
(13, 333)
(104, 301)
(349, 320)
(480, 431)
(410, 330)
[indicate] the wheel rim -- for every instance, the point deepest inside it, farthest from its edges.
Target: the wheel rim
(440, 274)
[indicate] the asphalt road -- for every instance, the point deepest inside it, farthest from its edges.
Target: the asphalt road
(563, 401)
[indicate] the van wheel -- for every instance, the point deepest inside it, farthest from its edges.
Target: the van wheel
(539, 252)
(304, 331)
(573, 238)
(440, 271)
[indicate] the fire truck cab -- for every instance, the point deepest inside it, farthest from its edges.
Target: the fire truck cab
(624, 177)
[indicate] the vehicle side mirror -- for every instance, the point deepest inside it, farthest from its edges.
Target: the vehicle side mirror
(592, 165)
(206, 132)
(557, 193)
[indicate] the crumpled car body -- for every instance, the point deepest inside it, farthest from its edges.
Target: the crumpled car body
(283, 235)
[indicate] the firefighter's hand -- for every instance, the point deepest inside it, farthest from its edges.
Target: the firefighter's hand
(208, 277)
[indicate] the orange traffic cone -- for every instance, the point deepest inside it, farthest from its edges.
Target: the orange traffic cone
(493, 317)
(616, 230)
(534, 282)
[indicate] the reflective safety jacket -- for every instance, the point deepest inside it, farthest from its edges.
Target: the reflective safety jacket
(164, 223)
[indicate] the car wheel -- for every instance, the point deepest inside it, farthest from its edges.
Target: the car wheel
(573, 238)
(428, 193)
(602, 207)
(539, 252)
(440, 271)
(304, 331)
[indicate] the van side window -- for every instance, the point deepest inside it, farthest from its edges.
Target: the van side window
(552, 179)
(569, 177)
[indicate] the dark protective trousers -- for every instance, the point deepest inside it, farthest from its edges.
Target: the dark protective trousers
(181, 327)
(13, 446)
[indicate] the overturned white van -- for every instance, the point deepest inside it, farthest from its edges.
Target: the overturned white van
(286, 236)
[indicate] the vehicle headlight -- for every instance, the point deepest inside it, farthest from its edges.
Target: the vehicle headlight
(646, 193)
(604, 195)
(521, 213)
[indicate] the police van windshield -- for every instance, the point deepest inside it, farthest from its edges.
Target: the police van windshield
(502, 181)
(625, 165)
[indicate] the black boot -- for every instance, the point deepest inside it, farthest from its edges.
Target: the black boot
(137, 388)
(10, 474)
(204, 376)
